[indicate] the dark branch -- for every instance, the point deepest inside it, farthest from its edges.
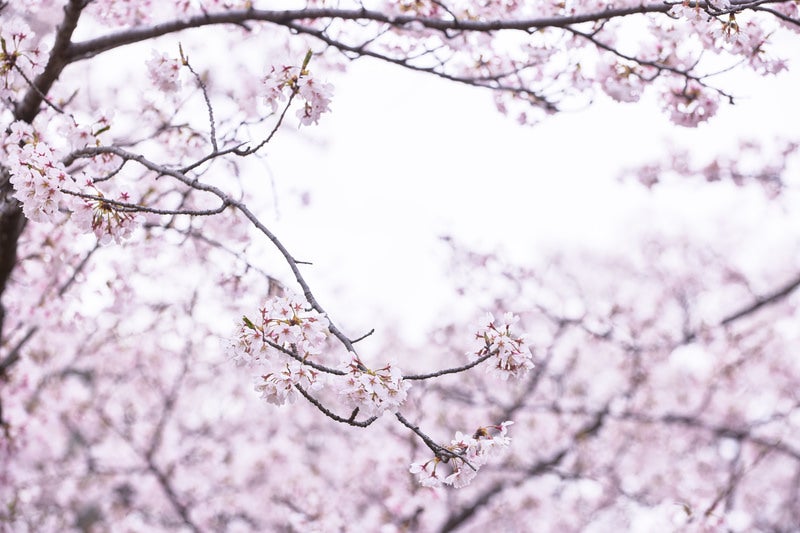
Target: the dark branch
(769, 299)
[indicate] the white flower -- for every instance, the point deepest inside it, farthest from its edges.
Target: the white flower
(278, 386)
(511, 357)
(471, 453)
(37, 176)
(373, 391)
(292, 80)
(164, 72)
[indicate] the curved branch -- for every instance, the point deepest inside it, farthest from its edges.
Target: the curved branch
(240, 206)
(327, 412)
(305, 361)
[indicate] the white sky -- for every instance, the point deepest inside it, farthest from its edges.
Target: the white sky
(404, 158)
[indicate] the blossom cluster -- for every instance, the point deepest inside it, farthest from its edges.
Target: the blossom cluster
(82, 134)
(298, 81)
(36, 174)
(276, 383)
(620, 81)
(690, 103)
(509, 352)
(287, 327)
(374, 391)
(464, 457)
(20, 56)
(41, 184)
(106, 220)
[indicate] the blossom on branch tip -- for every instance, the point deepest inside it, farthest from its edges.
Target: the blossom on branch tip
(510, 355)
(296, 81)
(464, 456)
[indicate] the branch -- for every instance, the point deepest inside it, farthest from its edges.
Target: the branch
(13, 356)
(478, 81)
(327, 412)
(439, 451)
(239, 205)
(12, 223)
(204, 90)
(539, 467)
(93, 47)
(769, 299)
(456, 370)
(127, 207)
(294, 355)
(166, 486)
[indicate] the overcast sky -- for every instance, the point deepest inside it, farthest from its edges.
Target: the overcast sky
(405, 158)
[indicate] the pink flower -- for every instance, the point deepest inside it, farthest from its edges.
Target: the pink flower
(164, 72)
(317, 98)
(426, 473)
(288, 80)
(19, 51)
(374, 391)
(690, 103)
(278, 387)
(471, 453)
(285, 322)
(37, 177)
(511, 355)
(106, 220)
(621, 82)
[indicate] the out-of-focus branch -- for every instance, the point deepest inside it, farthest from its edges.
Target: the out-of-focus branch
(768, 299)
(538, 468)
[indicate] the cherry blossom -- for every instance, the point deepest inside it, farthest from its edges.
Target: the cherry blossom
(664, 391)
(37, 178)
(279, 386)
(20, 56)
(286, 324)
(464, 458)
(107, 220)
(373, 391)
(298, 81)
(164, 72)
(690, 103)
(511, 357)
